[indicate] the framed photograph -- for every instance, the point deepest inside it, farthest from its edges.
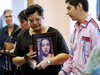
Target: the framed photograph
(45, 45)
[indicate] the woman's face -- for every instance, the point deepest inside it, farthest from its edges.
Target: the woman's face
(36, 22)
(24, 24)
(8, 17)
(45, 46)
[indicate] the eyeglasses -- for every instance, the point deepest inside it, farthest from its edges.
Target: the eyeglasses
(10, 16)
(36, 20)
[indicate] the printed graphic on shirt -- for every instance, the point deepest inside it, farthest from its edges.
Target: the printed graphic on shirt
(95, 25)
(85, 23)
(86, 39)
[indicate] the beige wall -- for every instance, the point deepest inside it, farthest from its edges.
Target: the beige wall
(30, 2)
(55, 16)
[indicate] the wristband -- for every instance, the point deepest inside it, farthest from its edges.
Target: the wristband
(63, 72)
(31, 63)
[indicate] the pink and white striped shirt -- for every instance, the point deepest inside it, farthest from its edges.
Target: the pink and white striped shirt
(81, 43)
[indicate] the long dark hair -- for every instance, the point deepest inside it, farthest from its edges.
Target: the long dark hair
(41, 51)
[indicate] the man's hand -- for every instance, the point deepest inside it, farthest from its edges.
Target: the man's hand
(11, 52)
(7, 51)
(59, 74)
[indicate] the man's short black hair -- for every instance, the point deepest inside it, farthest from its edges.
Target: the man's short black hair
(22, 16)
(33, 8)
(75, 3)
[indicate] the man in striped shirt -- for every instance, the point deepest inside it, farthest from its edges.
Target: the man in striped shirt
(84, 37)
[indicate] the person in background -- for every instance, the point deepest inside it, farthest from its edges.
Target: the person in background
(93, 63)
(24, 25)
(23, 20)
(93, 66)
(50, 66)
(83, 39)
(9, 33)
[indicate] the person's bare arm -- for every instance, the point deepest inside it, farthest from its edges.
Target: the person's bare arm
(7, 52)
(57, 60)
(2, 51)
(21, 60)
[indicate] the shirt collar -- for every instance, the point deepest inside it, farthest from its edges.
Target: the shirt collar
(15, 27)
(85, 22)
(6, 28)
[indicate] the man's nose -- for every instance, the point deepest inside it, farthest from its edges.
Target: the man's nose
(67, 13)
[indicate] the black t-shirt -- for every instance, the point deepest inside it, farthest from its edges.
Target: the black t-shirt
(22, 48)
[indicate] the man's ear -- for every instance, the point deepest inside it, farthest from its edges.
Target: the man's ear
(43, 16)
(79, 6)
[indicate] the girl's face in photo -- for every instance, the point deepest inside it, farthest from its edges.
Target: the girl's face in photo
(45, 46)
